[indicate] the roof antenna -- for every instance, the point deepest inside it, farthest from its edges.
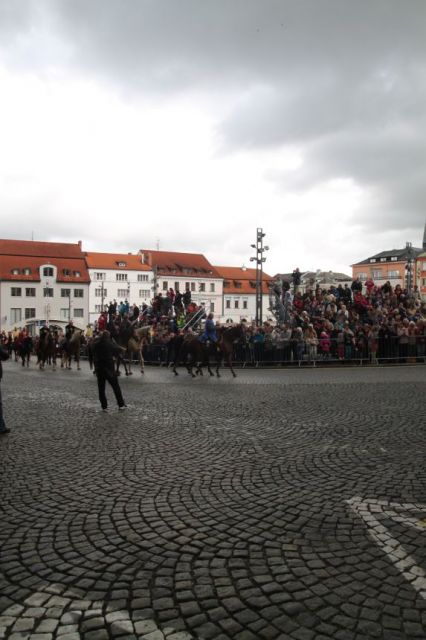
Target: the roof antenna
(158, 244)
(32, 236)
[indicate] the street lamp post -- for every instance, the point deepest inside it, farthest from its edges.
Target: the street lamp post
(102, 295)
(409, 266)
(259, 259)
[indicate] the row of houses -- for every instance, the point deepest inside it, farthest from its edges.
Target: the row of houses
(49, 282)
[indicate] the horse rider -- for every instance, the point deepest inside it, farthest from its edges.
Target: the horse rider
(209, 335)
(69, 330)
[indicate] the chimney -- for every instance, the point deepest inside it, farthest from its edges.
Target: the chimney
(79, 244)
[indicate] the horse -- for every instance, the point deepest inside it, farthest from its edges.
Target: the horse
(132, 341)
(194, 352)
(46, 350)
(72, 347)
(25, 349)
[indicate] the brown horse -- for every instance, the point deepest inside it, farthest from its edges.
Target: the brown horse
(132, 342)
(46, 350)
(193, 352)
(71, 348)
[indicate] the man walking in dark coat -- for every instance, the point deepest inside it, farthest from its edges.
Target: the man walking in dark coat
(4, 355)
(104, 350)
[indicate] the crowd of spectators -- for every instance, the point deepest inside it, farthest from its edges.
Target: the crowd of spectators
(363, 322)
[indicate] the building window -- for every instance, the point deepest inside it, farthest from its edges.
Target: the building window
(192, 286)
(376, 274)
(202, 286)
(424, 266)
(212, 287)
(245, 304)
(98, 308)
(424, 282)
(186, 285)
(236, 304)
(144, 293)
(100, 275)
(30, 292)
(394, 258)
(100, 292)
(48, 292)
(78, 313)
(30, 313)
(121, 277)
(77, 274)
(16, 292)
(65, 293)
(382, 259)
(393, 274)
(121, 264)
(66, 272)
(212, 307)
(362, 276)
(48, 271)
(26, 271)
(15, 315)
(227, 304)
(177, 286)
(165, 285)
(15, 272)
(78, 293)
(64, 314)
(372, 259)
(122, 293)
(142, 277)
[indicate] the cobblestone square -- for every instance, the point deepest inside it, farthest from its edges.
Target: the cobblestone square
(285, 504)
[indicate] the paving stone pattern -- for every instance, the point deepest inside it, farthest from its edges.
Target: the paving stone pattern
(280, 505)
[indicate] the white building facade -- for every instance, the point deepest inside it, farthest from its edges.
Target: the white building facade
(182, 271)
(42, 283)
(239, 294)
(117, 278)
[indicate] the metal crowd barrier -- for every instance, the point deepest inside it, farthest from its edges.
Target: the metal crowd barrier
(391, 350)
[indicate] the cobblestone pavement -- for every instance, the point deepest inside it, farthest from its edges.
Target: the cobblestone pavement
(282, 504)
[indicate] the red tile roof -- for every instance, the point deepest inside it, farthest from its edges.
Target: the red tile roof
(132, 262)
(242, 281)
(27, 254)
(40, 249)
(9, 263)
(172, 263)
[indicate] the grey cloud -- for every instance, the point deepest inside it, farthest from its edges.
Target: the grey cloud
(172, 45)
(341, 79)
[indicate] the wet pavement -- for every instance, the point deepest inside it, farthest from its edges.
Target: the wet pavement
(284, 504)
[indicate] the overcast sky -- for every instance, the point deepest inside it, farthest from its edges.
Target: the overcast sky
(190, 123)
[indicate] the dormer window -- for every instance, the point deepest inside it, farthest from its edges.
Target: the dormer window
(372, 259)
(48, 272)
(226, 283)
(77, 274)
(121, 264)
(382, 259)
(394, 258)
(26, 271)
(66, 272)
(15, 272)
